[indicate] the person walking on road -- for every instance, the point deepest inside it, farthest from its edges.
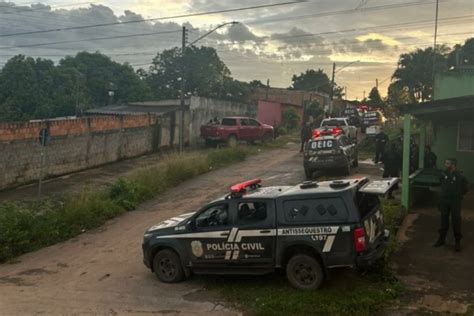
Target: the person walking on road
(381, 139)
(306, 133)
(453, 187)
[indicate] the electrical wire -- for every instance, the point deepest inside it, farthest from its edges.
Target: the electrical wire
(154, 19)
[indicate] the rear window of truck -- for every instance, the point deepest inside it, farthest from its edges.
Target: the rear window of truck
(333, 122)
(229, 122)
(315, 210)
(366, 203)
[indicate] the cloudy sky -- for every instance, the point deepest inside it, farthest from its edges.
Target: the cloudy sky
(272, 42)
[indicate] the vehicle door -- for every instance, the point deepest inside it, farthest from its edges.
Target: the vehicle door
(254, 232)
(257, 130)
(245, 130)
(210, 230)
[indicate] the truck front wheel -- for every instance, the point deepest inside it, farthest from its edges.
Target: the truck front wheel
(167, 267)
(304, 272)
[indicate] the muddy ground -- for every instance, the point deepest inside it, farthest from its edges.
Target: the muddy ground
(101, 271)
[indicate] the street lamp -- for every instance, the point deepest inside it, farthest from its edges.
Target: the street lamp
(183, 50)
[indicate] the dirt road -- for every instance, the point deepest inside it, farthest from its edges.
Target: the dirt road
(101, 271)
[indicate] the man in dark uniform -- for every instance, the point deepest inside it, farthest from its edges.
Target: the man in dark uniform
(392, 160)
(453, 187)
(381, 140)
(306, 134)
(430, 158)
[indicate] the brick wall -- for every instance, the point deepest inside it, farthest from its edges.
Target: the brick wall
(75, 145)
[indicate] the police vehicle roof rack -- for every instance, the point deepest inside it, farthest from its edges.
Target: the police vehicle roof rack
(337, 184)
(309, 184)
(239, 189)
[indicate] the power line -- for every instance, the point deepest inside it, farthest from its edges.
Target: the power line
(92, 39)
(152, 19)
(339, 12)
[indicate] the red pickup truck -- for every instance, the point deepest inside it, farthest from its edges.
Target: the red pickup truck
(231, 130)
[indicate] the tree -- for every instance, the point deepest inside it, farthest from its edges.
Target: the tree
(462, 54)
(375, 100)
(35, 89)
(205, 73)
(101, 74)
(314, 110)
(290, 118)
(415, 72)
(313, 80)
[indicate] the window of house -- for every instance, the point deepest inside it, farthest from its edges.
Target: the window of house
(466, 136)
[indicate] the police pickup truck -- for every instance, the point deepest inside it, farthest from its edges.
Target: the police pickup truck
(329, 149)
(304, 229)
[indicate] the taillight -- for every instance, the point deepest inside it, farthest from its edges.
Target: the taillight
(359, 240)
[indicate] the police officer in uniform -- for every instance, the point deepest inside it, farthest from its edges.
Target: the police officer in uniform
(306, 134)
(453, 187)
(381, 139)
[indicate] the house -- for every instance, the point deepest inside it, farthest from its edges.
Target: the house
(271, 112)
(447, 124)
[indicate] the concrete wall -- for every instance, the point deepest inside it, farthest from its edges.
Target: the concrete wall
(75, 145)
(453, 84)
(201, 110)
(445, 140)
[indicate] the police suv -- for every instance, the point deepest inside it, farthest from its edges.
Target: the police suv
(305, 229)
(329, 149)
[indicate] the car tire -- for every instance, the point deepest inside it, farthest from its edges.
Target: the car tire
(232, 141)
(167, 267)
(304, 272)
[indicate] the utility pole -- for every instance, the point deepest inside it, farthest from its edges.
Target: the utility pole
(434, 47)
(345, 92)
(332, 86)
(268, 88)
(364, 96)
(377, 83)
(183, 86)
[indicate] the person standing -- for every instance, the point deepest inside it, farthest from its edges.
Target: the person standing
(392, 160)
(381, 139)
(453, 187)
(430, 158)
(306, 133)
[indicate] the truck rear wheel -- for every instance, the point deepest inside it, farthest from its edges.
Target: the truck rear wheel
(167, 267)
(232, 141)
(304, 272)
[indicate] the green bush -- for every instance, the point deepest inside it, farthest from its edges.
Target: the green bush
(125, 193)
(221, 157)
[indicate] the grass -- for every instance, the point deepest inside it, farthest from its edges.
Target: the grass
(28, 226)
(347, 292)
